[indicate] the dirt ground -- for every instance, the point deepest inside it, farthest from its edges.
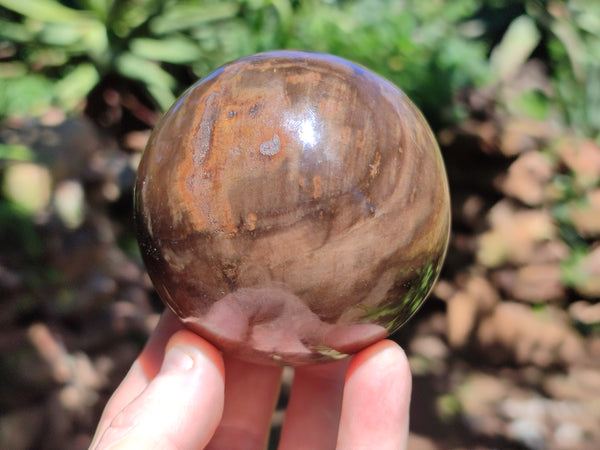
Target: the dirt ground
(504, 354)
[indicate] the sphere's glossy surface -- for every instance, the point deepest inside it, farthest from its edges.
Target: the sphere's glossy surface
(292, 207)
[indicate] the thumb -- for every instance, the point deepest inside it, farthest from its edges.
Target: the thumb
(182, 405)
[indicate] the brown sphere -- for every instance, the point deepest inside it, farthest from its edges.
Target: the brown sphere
(292, 207)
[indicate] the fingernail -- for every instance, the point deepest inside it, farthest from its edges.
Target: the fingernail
(177, 359)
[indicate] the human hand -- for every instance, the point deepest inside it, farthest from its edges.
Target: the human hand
(181, 393)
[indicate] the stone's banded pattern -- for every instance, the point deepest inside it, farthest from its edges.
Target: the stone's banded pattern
(292, 207)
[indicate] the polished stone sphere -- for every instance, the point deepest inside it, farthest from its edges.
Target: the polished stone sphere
(292, 208)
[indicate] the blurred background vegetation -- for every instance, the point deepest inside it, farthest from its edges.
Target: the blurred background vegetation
(512, 90)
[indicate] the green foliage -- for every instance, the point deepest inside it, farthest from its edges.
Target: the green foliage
(15, 152)
(415, 44)
(56, 52)
(573, 48)
(519, 41)
(29, 94)
(534, 104)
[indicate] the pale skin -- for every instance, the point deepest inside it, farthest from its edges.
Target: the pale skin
(182, 393)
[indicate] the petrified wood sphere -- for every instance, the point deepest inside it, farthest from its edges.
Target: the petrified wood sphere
(292, 207)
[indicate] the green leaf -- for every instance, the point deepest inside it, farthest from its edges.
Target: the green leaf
(533, 104)
(44, 10)
(12, 69)
(177, 50)
(158, 82)
(27, 95)
(163, 96)
(183, 16)
(519, 41)
(586, 14)
(125, 17)
(575, 272)
(75, 86)
(574, 46)
(60, 34)
(43, 57)
(143, 70)
(99, 7)
(15, 152)
(15, 32)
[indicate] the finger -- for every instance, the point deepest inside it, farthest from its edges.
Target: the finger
(153, 353)
(251, 392)
(375, 409)
(182, 405)
(313, 412)
(144, 368)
